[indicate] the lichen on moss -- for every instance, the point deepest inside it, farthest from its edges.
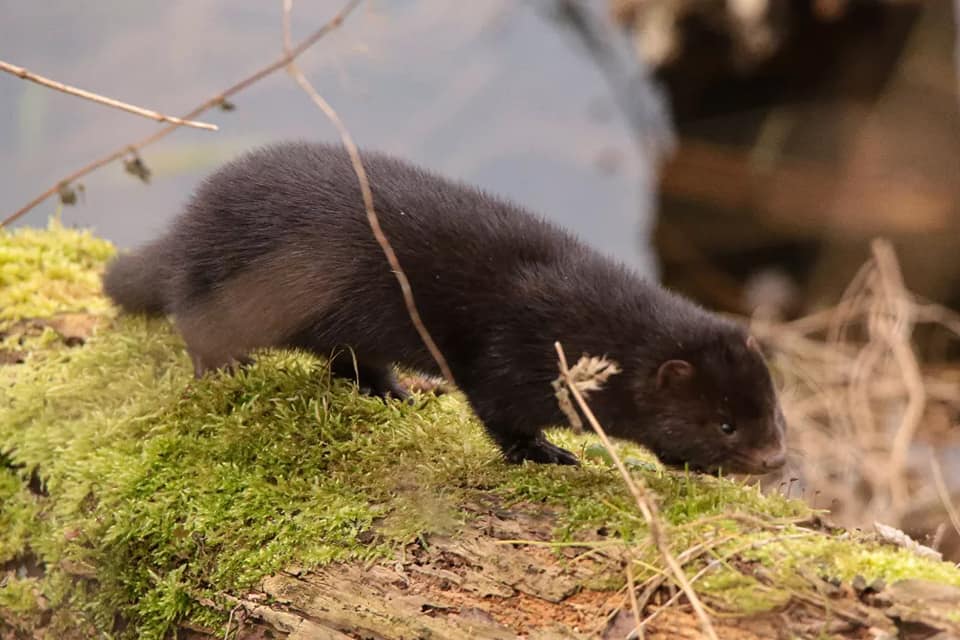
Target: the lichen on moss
(170, 490)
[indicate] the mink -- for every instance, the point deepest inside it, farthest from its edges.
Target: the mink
(274, 250)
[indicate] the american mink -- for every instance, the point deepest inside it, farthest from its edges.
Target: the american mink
(274, 250)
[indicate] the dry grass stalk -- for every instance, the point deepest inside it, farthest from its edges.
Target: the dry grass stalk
(634, 605)
(215, 101)
(589, 374)
(647, 507)
(20, 72)
(857, 396)
(695, 552)
(367, 195)
(944, 495)
(656, 581)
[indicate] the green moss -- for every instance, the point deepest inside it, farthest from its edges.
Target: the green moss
(792, 559)
(831, 557)
(47, 271)
(170, 490)
(732, 590)
(594, 496)
(168, 483)
(19, 595)
(18, 512)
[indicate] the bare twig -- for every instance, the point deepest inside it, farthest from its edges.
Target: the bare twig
(367, 194)
(647, 507)
(20, 72)
(670, 601)
(215, 101)
(233, 612)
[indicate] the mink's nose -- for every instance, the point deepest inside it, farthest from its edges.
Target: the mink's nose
(776, 459)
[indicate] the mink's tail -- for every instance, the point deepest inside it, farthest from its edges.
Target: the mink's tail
(136, 281)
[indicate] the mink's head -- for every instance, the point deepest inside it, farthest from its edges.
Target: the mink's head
(713, 408)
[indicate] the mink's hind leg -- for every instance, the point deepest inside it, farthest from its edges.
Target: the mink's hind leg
(373, 380)
(204, 363)
(209, 347)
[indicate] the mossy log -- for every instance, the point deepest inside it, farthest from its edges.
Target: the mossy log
(137, 502)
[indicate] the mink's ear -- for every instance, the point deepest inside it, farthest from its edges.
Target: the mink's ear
(673, 373)
(753, 345)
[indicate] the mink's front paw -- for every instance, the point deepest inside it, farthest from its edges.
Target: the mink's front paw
(539, 450)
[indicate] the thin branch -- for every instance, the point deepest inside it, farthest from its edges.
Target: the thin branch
(367, 194)
(20, 72)
(215, 101)
(233, 612)
(647, 507)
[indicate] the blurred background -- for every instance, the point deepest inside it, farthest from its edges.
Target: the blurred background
(495, 92)
(745, 152)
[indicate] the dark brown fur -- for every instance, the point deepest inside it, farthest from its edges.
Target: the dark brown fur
(274, 250)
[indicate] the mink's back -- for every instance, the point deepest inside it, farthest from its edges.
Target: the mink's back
(306, 197)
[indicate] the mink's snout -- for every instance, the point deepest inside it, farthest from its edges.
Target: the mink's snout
(766, 460)
(774, 456)
(775, 460)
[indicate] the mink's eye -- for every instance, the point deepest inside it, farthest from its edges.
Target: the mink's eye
(728, 428)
